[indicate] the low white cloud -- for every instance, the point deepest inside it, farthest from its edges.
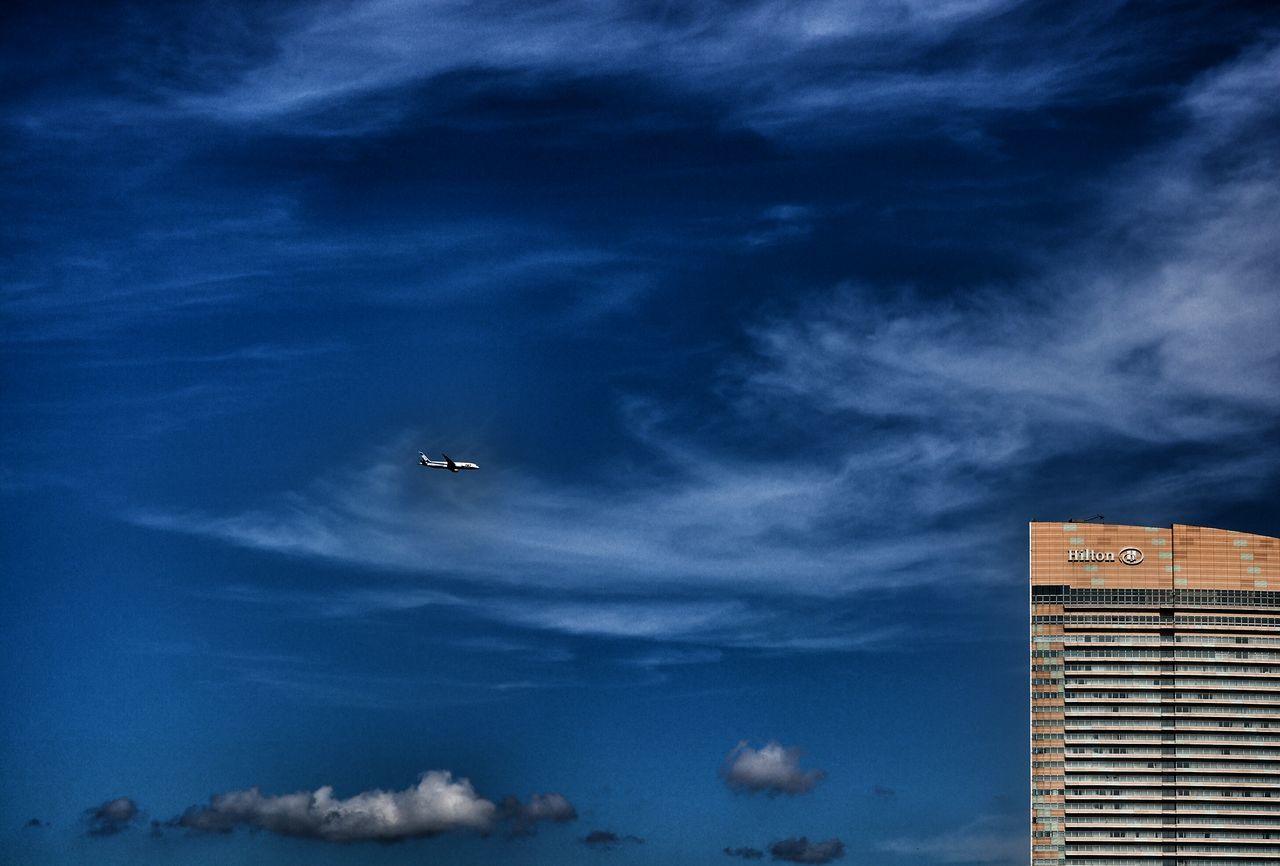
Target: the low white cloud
(437, 804)
(772, 769)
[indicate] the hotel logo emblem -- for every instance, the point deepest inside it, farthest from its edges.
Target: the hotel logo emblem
(1131, 556)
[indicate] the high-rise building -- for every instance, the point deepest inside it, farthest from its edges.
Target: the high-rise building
(1155, 696)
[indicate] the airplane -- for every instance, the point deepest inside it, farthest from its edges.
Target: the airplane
(424, 460)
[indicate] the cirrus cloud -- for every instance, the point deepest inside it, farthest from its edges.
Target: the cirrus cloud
(926, 423)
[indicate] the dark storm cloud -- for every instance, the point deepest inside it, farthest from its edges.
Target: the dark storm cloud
(437, 804)
(607, 839)
(801, 850)
(772, 769)
(112, 817)
(745, 853)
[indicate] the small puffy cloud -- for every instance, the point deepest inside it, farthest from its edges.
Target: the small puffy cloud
(112, 817)
(608, 839)
(773, 769)
(745, 853)
(437, 804)
(803, 851)
(523, 817)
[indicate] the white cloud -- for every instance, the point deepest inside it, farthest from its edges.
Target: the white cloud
(772, 769)
(437, 804)
(714, 522)
(1159, 331)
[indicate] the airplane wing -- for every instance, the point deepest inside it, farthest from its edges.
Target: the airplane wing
(453, 467)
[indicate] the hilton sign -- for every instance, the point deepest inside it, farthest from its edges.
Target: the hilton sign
(1129, 556)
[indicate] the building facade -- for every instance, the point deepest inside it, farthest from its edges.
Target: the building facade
(1155, 696)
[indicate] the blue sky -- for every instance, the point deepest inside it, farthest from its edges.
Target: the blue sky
(771, 325)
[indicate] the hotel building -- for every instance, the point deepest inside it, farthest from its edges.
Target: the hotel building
(1155, 696)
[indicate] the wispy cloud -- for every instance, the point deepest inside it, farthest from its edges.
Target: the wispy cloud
(667, 657)
(694, 516)
(871, 414)
(359, 67)
(771, 65)
(986, 840)
(82, 291)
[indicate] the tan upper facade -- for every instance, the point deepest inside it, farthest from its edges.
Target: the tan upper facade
(1184, 557)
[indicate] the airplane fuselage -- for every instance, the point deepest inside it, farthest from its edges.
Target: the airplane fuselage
(446, 463)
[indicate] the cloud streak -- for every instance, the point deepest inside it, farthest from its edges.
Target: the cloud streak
(770, 67)
(986, 840)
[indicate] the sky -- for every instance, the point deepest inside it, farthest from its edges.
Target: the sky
(770, 325)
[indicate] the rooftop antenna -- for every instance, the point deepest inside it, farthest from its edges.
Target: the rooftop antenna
(1087, 519)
